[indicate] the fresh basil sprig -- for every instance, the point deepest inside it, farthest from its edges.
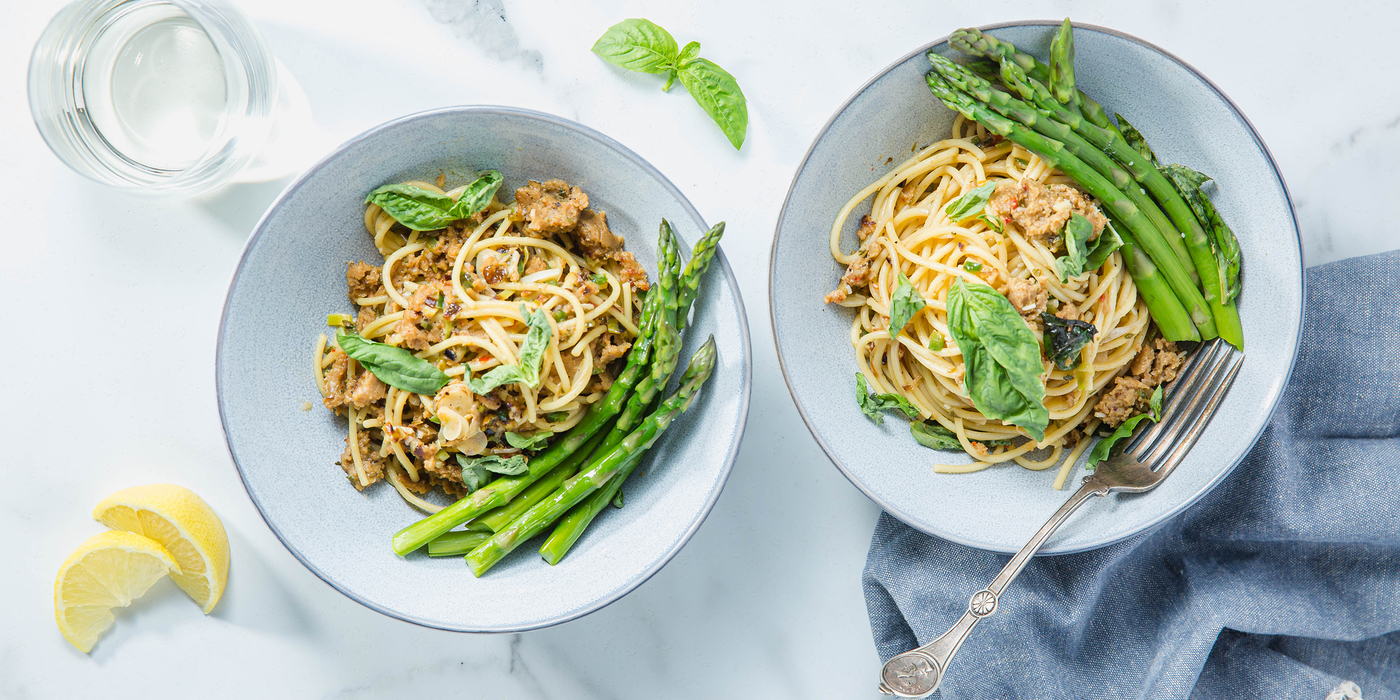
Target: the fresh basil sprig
(1076, 234)
(971, 203)
(1107, 242)
(642, 46)
(394, 366)
(1100, 451)
(531, 356)
(934, 436)
(425, 210)
(476, 471)
(528, 442)
(904, 304)
(1001, 357)
(1064, 339)
(874, 405)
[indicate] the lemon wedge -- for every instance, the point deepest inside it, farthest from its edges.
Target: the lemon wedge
(110, 570)
(182, 523)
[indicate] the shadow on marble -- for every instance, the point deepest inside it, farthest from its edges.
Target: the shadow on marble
(257, 598)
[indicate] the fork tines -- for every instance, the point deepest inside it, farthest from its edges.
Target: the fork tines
(1191, 402)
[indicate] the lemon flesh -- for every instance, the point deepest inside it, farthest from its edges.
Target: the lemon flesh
(185, 525)
(110, 570)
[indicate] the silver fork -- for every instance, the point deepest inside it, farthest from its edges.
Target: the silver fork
(1147, 460)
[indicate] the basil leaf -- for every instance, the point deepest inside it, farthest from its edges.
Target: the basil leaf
(1188, 182)
(417, 208)
(719, 95)
(638, 45)
(1101, 450)
(904, 304)
(393, 366)
(873, 405)
(688, 52)
(970, 203)
(473, 477)
(1135, 139)
(617, 499)
(528, 442)
(1107, 242)
(478, 194)
(1001, 357)
(934, 436)
(1064, 339)
(1077, 232)
(527, 371)
(514, 465)
(425, 210)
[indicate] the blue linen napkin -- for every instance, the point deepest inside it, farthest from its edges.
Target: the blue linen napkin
(1281, 583)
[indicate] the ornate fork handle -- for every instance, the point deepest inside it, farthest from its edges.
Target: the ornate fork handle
(917, 673)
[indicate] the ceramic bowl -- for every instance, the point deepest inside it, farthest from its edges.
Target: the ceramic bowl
(293, 273)
(1188, 120)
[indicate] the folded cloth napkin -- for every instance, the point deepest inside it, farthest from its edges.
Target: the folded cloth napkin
(1283, 582)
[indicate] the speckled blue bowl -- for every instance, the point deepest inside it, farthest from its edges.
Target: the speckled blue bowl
(293, 273)
(1188, 120)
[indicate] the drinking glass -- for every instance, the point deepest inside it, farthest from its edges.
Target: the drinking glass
(173, 97)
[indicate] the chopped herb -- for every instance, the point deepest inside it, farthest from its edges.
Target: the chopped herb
(600, 279)
(935, 342)
(1064, 339)
(873, 405)
(338, 319)
(560, 315)
(972, 266)
(557, 416)
(528, 442)
(905, 303)
(971, 203)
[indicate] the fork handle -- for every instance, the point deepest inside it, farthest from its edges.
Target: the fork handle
(917, 673)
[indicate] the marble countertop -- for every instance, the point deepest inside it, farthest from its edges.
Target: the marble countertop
(113, 304)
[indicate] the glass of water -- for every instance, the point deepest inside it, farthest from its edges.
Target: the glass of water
(162, 96)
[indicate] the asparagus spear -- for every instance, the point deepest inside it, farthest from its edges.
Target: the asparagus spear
(495, 519)
(599, 470)
(1061, 78)
(501, 491)
(974, 43)
(1168, 313)
(456, 543)
(1009, 106)
(1119, 150)
(1054, 153)
(571, 527)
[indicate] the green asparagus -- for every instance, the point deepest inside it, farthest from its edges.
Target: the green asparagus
(495, 519)
(456, 543)
(1166, 310)
(1054, 153)
(599, 470)
(1061, 78)
(1009, 106)
(500, 492)
(571, 527)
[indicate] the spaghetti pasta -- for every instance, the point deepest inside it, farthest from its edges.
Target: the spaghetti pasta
(908, 232)
(460, 298)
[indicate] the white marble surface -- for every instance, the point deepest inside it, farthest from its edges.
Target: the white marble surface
(112, 303)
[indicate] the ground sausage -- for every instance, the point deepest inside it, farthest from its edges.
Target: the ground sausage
(1040, 211)
(629, 270)
(335, 396)
(1027, 296)
(552, 207)
(369, 459)
(594, 237)
(1157, 363)
(364, 280)
(367, 390)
